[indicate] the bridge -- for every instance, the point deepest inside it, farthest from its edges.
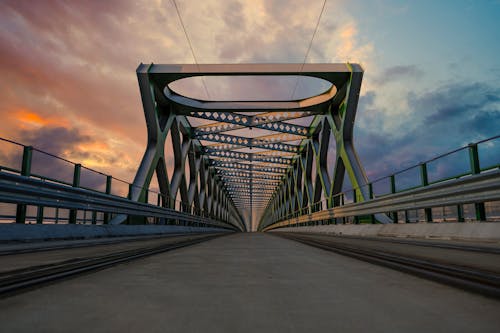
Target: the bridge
(239, 218)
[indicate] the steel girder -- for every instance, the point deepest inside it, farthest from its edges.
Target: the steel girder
(286, 172)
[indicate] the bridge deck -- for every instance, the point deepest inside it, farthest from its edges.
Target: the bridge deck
(248, 283)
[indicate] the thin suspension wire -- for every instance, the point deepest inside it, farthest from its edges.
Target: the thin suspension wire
(309, 48)
(190, 45)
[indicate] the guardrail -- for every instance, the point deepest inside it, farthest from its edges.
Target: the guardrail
(28, 191)
(469, 162)
(476, 188)
(26, 181)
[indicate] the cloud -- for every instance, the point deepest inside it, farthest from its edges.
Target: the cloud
(71, 144)
(368, 99)
(28, 119)
(398, 73)
(442, 120)
(485, 123)
(72, 66)
(266, 31)
(76, 61)
(455, 100)
(54, 140)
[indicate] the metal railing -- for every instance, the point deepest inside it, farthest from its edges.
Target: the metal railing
(453, 167)
(34, 167)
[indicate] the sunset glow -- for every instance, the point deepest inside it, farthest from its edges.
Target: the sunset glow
(29, 119)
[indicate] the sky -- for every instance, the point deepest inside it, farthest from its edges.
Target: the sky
(69, 87)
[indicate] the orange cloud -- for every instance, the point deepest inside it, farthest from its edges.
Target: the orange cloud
(28, 118)
(94, 146)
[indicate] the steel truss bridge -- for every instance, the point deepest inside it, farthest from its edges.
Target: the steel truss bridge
(235, 158)
(252, 170)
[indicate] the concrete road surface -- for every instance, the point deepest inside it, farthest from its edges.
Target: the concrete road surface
(249, 282)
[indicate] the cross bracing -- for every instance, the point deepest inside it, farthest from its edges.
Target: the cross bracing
(250, 174)
(232, 156)
(248, 167)
(249, 193)
(229, 143)
(269, 121)
(245, 187)
(235, 155)
(277, 126)
(219, 161)
(249, 142)
(255, 182)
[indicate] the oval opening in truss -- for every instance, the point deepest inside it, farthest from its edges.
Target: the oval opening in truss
(272, 88)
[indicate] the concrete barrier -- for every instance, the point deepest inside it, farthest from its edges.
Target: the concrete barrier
(37, 232)
(469, 231)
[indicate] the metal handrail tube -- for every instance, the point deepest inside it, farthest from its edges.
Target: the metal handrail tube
(20, 189)
(475, 188)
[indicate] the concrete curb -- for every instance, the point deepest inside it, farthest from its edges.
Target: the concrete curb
(36, 232)
(483, 232)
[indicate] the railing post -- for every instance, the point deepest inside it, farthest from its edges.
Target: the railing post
(39, 215)
(425, 182)
(355, 200)
(342, 203)
(393, 190)
(370, 192)
(423, 174)
(158, 203)
(460, 213)
(129, 196)
(76, 183)
(475, 169)
(26, 163)
(25, 171)
(106, 216)
(393, 184)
